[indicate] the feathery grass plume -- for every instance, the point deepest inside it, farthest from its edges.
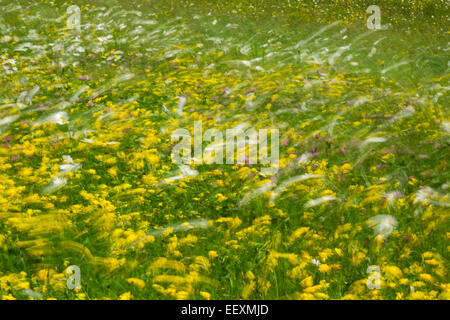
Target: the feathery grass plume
(383, 224)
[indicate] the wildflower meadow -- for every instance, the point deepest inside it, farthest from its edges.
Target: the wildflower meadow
(224, 150)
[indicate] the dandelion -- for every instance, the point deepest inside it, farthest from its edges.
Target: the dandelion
(136, 282)
(126, 296)
(212, 254)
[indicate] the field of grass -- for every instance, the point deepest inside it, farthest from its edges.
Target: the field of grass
(87, 179)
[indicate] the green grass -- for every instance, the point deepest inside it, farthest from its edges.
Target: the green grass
(328, 87)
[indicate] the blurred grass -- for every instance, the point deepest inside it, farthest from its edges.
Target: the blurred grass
(418, 15)
(418, 34)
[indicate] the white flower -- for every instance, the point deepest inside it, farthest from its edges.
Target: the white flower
(316, 262)
(11, 61)
(383, 224)
(446, 126)
(391, 196)
(57, 117)
(69, 165)
(33, 294)
(245, 49)
(424, 194)
(56, 184)
(427, 195)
